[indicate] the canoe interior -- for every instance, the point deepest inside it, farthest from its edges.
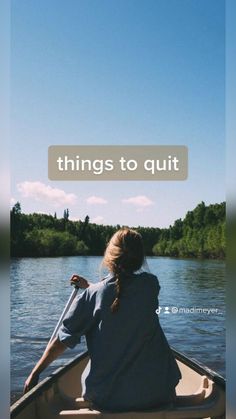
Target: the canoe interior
(201, 394)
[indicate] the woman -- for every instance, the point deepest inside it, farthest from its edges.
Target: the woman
(131, 365)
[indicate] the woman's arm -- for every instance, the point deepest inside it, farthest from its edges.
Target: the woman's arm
(53, 350)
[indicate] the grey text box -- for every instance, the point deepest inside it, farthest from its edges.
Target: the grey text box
(106, 162)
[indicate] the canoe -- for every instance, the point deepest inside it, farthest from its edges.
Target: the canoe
(200, 394)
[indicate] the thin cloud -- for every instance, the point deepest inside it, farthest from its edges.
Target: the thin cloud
(140, 202)
(74, 218)
(96, 200)
(98, 220)
(45, 193)
(12, 201)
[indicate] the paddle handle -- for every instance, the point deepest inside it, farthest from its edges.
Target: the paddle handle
(66, 309)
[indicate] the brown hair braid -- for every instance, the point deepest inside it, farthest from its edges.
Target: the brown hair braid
(124, 255)
(116, 302)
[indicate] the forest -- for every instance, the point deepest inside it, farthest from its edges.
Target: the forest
(201, 234)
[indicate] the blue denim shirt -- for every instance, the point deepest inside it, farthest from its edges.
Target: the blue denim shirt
(131, 365)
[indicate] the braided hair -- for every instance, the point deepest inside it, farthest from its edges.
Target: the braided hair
(123, 256)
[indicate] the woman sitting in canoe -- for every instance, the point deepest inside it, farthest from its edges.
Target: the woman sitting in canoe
(131, 364)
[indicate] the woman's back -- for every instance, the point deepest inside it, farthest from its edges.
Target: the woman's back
(131, 365)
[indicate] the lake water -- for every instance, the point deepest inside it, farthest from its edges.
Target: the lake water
(40, 290)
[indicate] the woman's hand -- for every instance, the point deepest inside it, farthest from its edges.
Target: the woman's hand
(79, 281)
(31, 381)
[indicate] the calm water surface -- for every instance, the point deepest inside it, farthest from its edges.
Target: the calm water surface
(40, 290)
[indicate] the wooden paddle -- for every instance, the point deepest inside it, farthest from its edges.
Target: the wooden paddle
(77, 285)
(65, 311)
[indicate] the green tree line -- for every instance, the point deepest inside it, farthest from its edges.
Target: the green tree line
(200, 234)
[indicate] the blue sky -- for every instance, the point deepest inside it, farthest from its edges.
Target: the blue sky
(118, 72)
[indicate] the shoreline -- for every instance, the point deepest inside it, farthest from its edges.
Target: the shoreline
(222, 259)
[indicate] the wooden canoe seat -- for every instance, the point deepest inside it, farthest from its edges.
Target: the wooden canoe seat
(208, 401)
(80, 414)
(197, 397)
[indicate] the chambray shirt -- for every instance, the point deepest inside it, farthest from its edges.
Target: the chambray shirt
(131, 365)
